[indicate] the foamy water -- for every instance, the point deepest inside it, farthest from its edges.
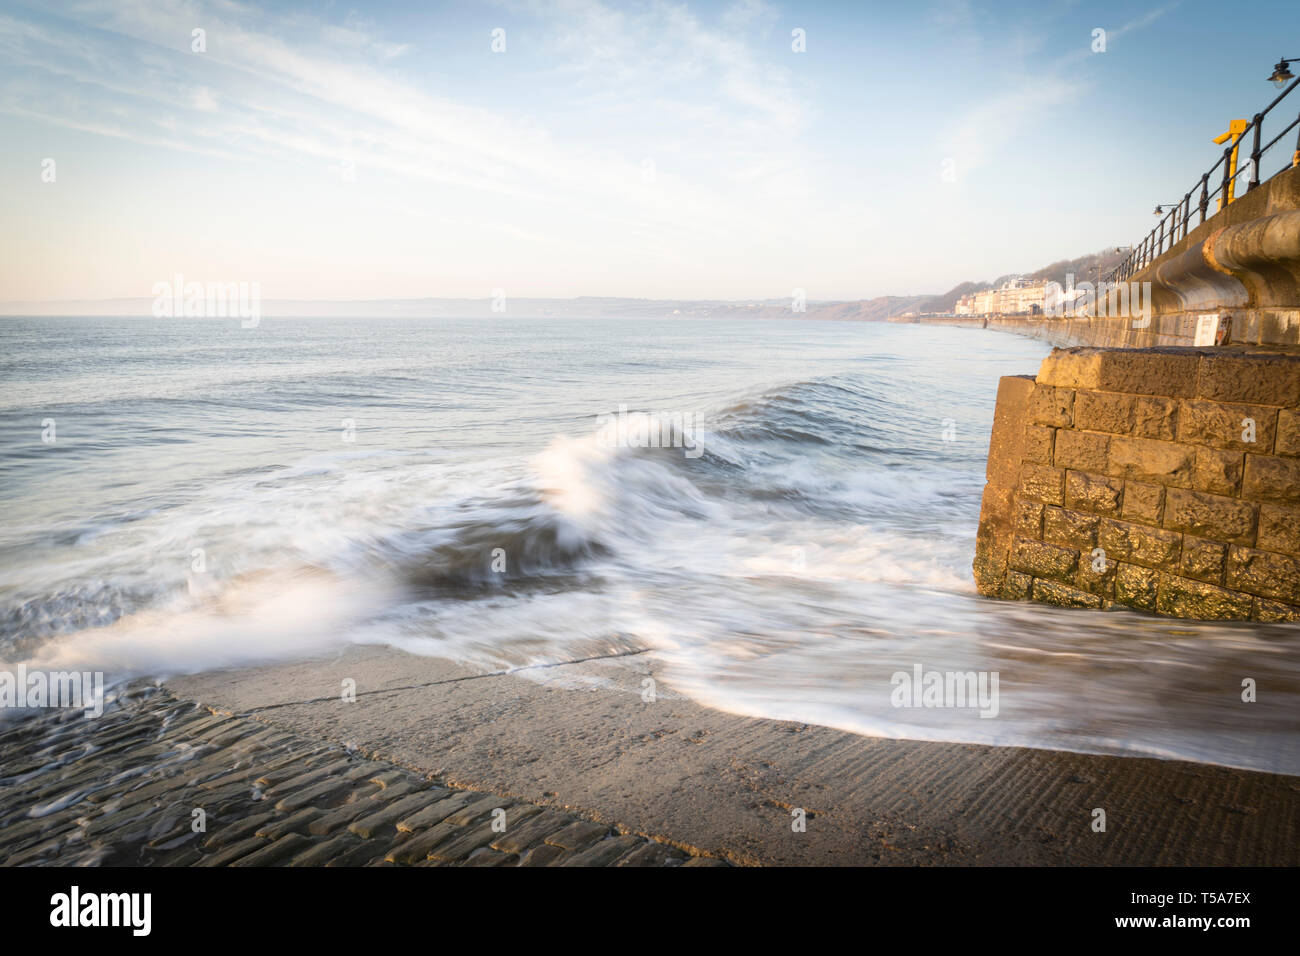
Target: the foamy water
(218, 496)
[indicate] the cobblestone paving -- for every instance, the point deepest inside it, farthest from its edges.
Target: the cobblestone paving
(121, 790)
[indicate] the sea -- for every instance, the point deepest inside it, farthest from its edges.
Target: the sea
(781, 512)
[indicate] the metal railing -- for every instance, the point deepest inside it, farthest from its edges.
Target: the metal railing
(1176, 223)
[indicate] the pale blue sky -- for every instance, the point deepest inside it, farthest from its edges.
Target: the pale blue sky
(640, 149)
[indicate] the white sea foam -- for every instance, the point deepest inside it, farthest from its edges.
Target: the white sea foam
(252, 620)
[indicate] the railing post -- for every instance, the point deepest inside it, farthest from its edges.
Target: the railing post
(1227, 176)
(1205, 194)
(1160, 249)
(1187, 212)
(1254, 154)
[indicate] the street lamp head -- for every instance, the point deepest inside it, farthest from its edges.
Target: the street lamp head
(1282, 75)
(1158, 211)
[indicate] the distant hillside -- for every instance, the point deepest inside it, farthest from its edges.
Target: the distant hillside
(1084, 269)
(867, 310)
(946, 302)
(859, 310)
(583, 307)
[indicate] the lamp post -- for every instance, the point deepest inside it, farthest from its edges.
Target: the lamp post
(1282, 75)
(1173, 207)
(1173, 227)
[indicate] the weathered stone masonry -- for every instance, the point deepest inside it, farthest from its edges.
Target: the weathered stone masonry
(1181, 465)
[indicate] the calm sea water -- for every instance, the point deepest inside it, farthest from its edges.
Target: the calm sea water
(218, 496)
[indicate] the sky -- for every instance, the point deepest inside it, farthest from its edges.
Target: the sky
(579, 147)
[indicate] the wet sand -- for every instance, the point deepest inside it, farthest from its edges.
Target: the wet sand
(583, 767)
(159, 781)
(582, 738)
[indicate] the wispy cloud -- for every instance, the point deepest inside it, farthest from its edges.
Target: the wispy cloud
(1146, 19)
(296, 89)
(622, 146)
(1029, 96)
(665, 46)
(993, 124)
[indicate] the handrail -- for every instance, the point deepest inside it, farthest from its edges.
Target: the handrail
(1179, 217)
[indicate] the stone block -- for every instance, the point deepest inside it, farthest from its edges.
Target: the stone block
(519, 839)
(1227, 426)
(1016, 586)
(1273, 479)
(1082, 451)
(1002, 473)
(1094, 581)
(1218, 471)
(1041, 560)
(1071, 368)
(1288, 433)
(1051, 406)
(1180, 597)
(1071, 529)
(1095, 493)
(578, 835)
(1275, 612)
(1264, 573)
(1138, 544)
(1062, 595)
(1155, 417)
(1210, 516)
(1203, 560)
(1279, 530)
(1104, 411)
(1159, 371)
(1149, 460)
(1042, 483)
(1259, 379)
(1143, 503)
(1027, 519)
(1039, 441)
(1136, 586)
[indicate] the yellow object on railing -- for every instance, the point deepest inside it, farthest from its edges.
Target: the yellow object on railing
(1235, 129)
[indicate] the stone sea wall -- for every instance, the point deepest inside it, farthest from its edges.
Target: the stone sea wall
(1246, 327)
(1166, 480)
(1103, 331)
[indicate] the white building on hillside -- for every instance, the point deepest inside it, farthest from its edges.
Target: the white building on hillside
(1017, 296)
